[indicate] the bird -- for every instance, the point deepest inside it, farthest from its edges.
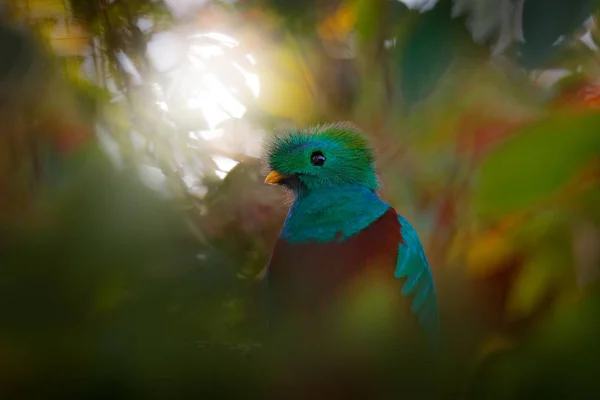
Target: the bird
(340, 238)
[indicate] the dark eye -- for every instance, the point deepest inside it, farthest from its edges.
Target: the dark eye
(317, 159)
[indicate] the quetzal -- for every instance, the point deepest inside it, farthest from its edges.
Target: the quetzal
(339, 236)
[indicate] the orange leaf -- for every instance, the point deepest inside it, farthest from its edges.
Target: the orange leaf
(488, 251)
(337, 26)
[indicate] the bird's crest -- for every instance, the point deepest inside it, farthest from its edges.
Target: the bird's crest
(344, 133)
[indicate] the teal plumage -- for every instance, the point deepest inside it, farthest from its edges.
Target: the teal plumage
(338, 230)
(412, 264)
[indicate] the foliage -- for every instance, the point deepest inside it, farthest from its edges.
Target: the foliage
(106, 279)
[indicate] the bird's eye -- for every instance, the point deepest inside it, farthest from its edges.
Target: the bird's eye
(317, 159)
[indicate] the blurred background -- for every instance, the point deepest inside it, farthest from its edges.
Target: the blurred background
(134, 223)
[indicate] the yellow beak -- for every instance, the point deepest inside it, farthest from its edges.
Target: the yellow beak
(275, 177)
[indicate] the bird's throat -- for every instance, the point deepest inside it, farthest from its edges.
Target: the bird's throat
(335, 213)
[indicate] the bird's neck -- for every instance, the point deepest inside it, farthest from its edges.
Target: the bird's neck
(333, 213)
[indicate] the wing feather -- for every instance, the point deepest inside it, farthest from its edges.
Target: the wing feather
(412, 264)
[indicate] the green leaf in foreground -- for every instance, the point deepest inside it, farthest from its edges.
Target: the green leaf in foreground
(536, 163)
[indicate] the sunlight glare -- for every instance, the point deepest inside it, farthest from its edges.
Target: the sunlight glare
(220, 94)
(221, 174)
(251, 79)
(213, 114)
(205, 87)
(224, 39)
(421, 5)
(250, 58)
(208, 51)
(211, 134)
(196, 62)
(224, 163)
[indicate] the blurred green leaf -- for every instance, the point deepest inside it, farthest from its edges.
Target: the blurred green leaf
(558, 360)
(549, 268)
(426, 54)
(373, 16)
(23, 67)
(298, 16)
(544, 22)
(535, 163)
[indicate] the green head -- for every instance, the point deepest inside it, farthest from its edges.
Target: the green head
(322, 156)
